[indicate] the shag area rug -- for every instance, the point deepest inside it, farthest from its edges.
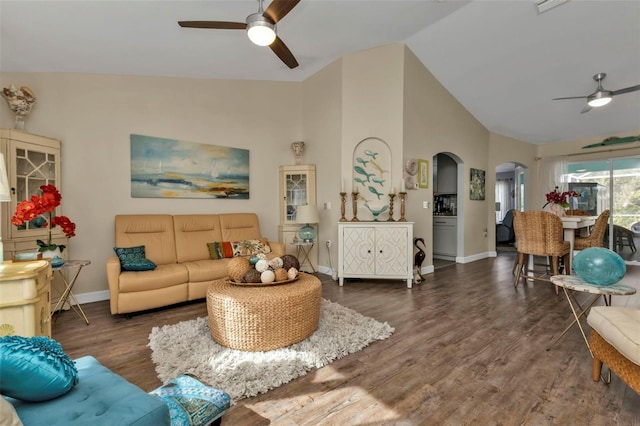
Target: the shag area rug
(187, 348)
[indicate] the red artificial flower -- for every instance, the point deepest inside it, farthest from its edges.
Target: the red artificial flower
(36, 206)
(557, 197)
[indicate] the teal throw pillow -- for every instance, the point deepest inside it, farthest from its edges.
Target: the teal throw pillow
(133, 259)
(35, 368)
(191, 402)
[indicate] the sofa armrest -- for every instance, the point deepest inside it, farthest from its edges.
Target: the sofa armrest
(113, 278)
(277, 248)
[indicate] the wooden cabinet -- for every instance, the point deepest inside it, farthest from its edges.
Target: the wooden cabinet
(445, 234)
(25, 293)
(32, 161)
(297, 188)
(375, 250)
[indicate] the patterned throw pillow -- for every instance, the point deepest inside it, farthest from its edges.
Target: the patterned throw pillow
(35, 368)
(250, 247)
(220, 250)
(191, 402)
(133, 259)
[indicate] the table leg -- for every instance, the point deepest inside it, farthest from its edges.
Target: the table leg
(303, 257)
(577, 314)
(68, 292)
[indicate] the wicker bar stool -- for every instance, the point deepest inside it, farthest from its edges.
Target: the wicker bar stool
(539, 233)
(263, 317)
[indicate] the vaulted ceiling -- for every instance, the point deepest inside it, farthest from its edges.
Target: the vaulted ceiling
(503, 60)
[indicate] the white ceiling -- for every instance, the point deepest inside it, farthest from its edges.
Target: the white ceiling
(501, 59)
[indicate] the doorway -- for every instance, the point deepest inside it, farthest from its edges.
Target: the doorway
(509, 195)
(448, 209)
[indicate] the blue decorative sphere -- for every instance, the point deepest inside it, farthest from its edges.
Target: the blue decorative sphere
(253, 260)
(600, 266)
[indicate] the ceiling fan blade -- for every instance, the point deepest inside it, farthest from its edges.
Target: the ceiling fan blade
(282, 51)
(613, 141)
(586, 108)
(218, 25)
(626, 90)
(571, 97)
(279, 8)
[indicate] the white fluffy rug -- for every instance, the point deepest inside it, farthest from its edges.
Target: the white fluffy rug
(187, 348)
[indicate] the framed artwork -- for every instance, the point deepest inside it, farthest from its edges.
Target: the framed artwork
(170, 168)
(423, 173)
(476, 185)
(371, 178)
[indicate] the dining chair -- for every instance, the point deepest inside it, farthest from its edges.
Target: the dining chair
(540, 233)
(596, 237)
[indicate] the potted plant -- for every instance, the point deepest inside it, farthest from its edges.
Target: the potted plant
(45, 205)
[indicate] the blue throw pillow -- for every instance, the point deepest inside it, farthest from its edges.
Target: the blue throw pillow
(133, 259)
(35, 368)
(192, 402)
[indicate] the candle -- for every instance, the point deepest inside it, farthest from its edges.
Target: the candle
(342, 190)
(402, 185)
(393, 190)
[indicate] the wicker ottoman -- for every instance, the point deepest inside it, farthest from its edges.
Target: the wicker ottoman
(262, 318)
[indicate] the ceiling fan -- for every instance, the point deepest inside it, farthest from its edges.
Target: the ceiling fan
(260, 26)
(601, 96)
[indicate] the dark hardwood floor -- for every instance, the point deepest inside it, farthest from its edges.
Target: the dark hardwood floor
(467, 349)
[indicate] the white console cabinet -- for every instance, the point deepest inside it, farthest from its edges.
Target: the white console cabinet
(375, 250)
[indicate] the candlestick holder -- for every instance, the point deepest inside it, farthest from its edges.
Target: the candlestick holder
(343, 199)
(403, 198)
(354, 204)
(391, 197)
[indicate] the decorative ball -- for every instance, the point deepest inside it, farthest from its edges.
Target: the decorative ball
(252, 276)
(237, 267)
(268, 276)
(262, 265)
(290, 261)
(262, 256)
(281, 274)
(292, 273)
(600, 266)
(275, 263)
(253, 260)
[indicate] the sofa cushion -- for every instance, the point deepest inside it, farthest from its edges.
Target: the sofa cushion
(193, 232)
(220, 250)
(35, 368)
(101, 397)
(154, 231)
(239, 226)
(250, 247)
(620, 327)
(133, 259)
(191, 402)
(161, 277)
(8, 415)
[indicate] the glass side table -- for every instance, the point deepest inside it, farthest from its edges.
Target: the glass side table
(303, 249)
(73, 267)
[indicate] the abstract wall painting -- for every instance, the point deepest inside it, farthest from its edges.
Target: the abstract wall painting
(170, 168)
(476, 185)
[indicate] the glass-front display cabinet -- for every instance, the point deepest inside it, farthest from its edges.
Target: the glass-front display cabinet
(32, 161)
(297, 188)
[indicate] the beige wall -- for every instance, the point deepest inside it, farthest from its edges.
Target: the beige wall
(94, 115)
(434, 121)
(384, 92)
(322, 122)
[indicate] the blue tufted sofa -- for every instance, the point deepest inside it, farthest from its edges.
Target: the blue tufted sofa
(101, 398)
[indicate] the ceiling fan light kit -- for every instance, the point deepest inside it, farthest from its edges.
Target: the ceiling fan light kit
(599, 99)
(259, 30)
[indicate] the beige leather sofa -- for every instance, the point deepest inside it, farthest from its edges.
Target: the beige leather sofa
(178, 245)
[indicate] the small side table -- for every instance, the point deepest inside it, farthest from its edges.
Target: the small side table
(303, 250)
(73, 267)
(572, 283)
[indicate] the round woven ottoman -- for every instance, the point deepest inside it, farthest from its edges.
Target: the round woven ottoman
(263, 317)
